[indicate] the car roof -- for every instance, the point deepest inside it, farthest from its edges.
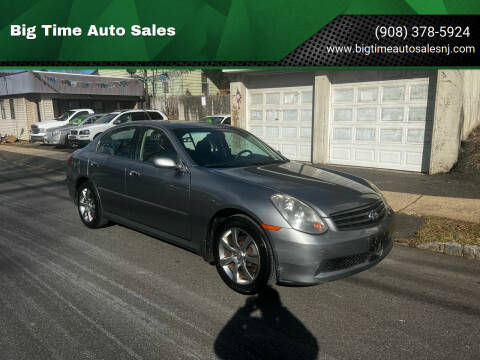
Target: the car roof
(177, 124)
(216, 115)
(125, 110)
(80, 109)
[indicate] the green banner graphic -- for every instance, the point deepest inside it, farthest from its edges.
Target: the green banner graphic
(181, 30)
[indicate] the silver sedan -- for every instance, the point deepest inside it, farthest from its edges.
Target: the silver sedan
(224, 194)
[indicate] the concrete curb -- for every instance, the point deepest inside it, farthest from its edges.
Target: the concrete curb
(451, 248)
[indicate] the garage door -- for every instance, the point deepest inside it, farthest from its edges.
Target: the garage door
(283, 119)
(380, 124)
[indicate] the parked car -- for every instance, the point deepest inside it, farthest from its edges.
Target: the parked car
(221, 192)
(224, 119)
(84, 134)
(59, 136)
(39, 129)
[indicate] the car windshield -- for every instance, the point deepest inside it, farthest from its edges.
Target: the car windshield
(226, 148)
(65, 115)
(77, 119)
(212, 119)
(105, 119)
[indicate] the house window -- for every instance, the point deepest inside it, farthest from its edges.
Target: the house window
(165, 87)
(204, 84)
(2, 105)
(12, 109)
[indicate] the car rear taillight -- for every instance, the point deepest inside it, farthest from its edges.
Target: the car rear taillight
(69, 161)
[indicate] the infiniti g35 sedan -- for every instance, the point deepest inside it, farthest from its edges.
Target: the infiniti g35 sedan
(224, 194)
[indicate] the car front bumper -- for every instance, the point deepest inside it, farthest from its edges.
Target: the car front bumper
(54, 139)
(80, 140)
(305, 259)
(37, 137)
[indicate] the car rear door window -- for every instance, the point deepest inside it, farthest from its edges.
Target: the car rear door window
(120, 142)
(155, 143)
(139, 115)
(155, 115)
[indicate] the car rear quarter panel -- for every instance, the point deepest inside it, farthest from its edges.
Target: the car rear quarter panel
(77, 170)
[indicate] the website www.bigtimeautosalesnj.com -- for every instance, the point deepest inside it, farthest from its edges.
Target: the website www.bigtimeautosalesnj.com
(400, 49)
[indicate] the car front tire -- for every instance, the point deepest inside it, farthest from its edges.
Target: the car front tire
(89, 206)
(243, 257)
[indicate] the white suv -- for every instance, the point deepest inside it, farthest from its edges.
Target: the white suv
(39, 129)
(83, 134)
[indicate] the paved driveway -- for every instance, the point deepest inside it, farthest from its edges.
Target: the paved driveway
(68, 292)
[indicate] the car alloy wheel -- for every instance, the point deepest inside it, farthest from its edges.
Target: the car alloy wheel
(87, 206)
(243, 257)
(239, 256)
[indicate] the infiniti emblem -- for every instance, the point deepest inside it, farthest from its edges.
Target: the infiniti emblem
(373, 215)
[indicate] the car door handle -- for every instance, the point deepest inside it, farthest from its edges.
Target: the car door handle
(133, 173)
(93, 164)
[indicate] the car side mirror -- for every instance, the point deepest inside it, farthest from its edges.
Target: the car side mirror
(164, 162)
(117, 121)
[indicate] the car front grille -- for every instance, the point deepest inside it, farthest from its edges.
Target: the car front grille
(35, 129)
(343, 262)
(360, 217)
(73, 132)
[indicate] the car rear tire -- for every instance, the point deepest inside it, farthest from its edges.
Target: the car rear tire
(89, 206)
(243, 257)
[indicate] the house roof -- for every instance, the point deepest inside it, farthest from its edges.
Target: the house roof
(46, 82)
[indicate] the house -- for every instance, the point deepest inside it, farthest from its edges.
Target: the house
(181, 94)
(411, 120)
(30, 96)
(168, 82)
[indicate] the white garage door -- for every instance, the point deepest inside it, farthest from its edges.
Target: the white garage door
(282, 117)
(380, 124)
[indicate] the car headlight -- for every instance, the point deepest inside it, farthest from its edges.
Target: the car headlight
(299, 215)
(55, 132)
(84, 132)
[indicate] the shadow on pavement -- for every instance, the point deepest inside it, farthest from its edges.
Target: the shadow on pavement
(265, 329)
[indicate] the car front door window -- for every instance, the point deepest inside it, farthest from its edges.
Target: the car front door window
(119, 143)
(124, 118)
(155, 143)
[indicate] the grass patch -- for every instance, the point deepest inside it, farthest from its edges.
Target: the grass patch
(436, 229)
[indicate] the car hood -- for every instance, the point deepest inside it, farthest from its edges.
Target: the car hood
(64, 128)
(69, 127)
(50, 124)
(326, 190)
(92, 126)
